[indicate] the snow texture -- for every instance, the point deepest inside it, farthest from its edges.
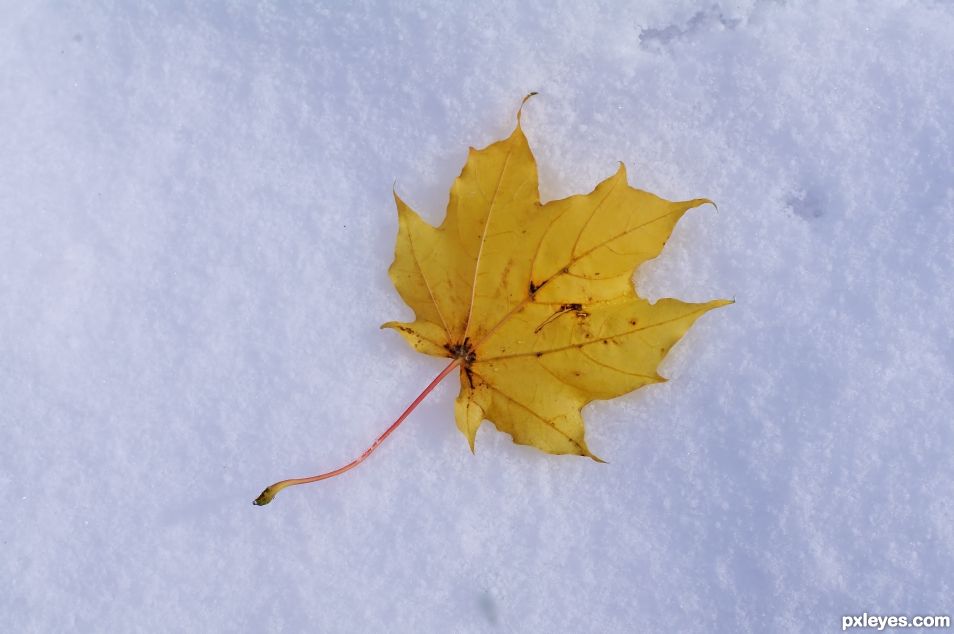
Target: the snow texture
(195, 227)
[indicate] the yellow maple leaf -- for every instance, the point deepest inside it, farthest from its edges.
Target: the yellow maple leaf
(535, 303)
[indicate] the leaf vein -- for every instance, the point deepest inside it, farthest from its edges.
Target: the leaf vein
(483, 238)
(593, 341)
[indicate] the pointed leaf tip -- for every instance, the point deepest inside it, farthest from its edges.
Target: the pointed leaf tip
(596, 458)
(621, 171)
(522, 104)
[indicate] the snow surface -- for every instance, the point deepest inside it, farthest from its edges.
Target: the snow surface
(195, 227)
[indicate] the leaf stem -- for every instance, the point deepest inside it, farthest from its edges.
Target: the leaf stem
(269, 493)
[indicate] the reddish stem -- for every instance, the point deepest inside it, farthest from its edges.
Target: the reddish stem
(269, 493)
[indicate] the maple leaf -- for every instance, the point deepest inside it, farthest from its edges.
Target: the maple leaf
(537, 300)
(534, 303)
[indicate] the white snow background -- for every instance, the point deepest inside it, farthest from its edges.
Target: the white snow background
(195, 227)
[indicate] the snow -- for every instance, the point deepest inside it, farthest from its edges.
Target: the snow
(195, 226)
